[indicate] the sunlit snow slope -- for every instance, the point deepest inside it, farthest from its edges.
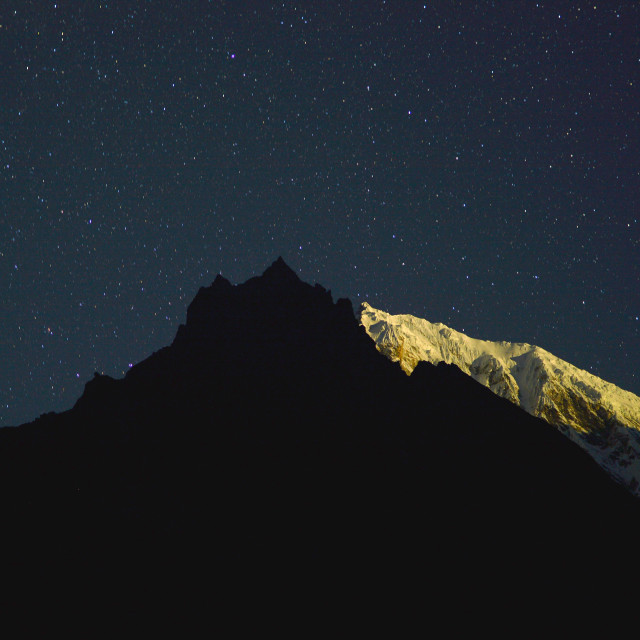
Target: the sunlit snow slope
(597, 415)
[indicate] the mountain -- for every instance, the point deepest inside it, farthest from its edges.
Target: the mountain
(270, 457)
(601, 418)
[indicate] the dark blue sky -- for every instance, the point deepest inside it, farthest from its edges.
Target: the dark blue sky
(473, 163)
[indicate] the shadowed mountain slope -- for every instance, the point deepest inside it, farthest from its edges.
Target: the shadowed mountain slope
(272, 439)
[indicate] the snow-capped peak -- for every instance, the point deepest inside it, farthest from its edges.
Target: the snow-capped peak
(597, 415)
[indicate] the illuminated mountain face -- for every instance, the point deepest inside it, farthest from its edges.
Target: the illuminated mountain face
(600, 417)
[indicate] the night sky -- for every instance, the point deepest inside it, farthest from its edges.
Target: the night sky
(472, 163)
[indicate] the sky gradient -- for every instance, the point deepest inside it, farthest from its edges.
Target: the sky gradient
(472, 163)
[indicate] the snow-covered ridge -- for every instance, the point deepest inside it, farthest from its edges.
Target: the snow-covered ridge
(597, 415)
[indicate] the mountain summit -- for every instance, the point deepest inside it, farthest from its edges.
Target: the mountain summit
(272, 442)
(600, 417)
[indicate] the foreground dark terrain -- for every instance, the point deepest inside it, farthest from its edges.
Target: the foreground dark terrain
(272, 448)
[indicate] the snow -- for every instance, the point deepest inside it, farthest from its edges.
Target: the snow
(597, 415)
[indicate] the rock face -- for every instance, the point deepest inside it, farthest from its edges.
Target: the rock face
(271, 444)
(600, 417)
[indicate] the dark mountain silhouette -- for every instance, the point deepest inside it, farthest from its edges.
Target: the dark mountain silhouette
(272, 444)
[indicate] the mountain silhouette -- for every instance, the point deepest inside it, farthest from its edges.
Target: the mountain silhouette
(271, 442)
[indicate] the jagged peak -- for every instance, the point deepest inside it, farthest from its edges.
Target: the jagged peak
(221, 281)
(281, 271)
(219, 286)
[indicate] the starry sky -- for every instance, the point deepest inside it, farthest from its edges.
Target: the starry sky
(474, 163)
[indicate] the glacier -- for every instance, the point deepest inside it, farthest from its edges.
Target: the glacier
(597, 415)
